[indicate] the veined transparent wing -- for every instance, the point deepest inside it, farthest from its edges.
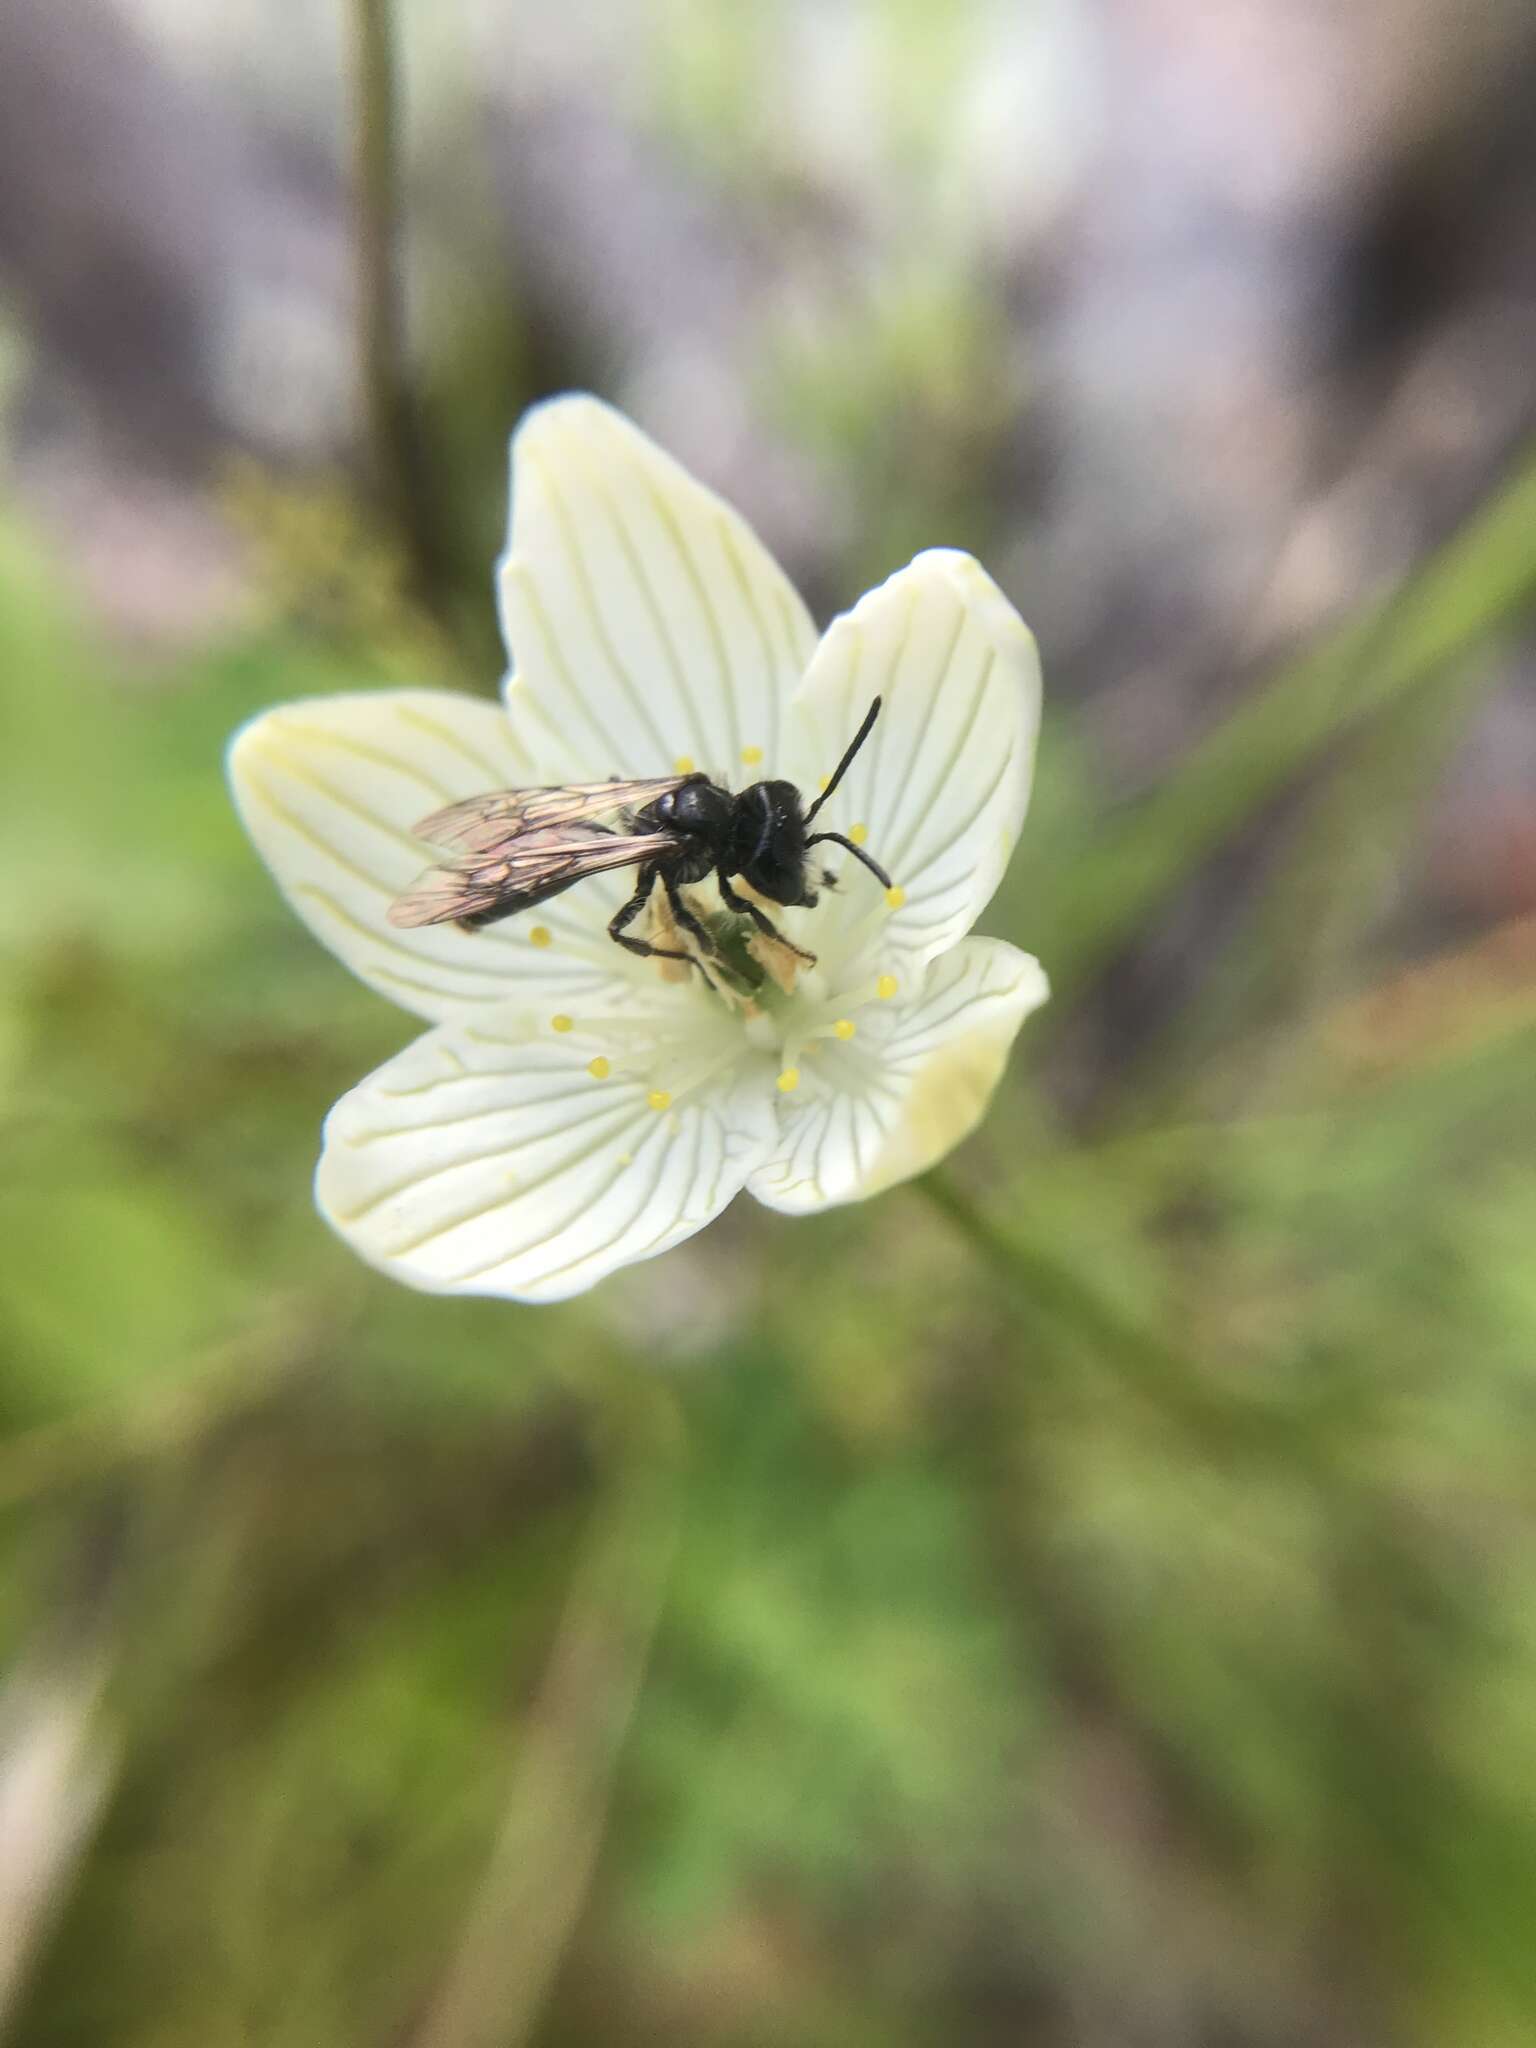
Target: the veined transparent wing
(487, 884)
(478, 823)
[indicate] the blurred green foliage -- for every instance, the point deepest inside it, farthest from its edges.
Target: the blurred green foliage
(1087, 1600)
(1098, 1608)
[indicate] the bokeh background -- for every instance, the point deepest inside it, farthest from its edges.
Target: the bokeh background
(1087, 1602)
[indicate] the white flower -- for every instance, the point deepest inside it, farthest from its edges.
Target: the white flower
(572, 1109)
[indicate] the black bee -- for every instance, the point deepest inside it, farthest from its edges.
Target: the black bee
(514, 848)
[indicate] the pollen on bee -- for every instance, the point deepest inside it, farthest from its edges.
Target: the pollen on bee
(599, 1068)
(750, 756)
(885, 987)
(683, 765)
(844, 1028)
(562, 1023)
(858, 834)
(541, 935)
(659, 1099)
(789, 1080)
(896, 896)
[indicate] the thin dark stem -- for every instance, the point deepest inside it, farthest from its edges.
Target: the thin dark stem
(395, 449)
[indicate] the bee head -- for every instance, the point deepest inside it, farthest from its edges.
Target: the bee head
(768, 849)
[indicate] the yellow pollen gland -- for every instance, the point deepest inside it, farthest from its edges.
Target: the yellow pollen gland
(896, 897)
(561, 1024)
(659, 1099)
(858, 834)
(789, 1080)
(885, 987)
(599, 1068)
(683, 765)
(541, 935)
(844, 1028)
(750, 756)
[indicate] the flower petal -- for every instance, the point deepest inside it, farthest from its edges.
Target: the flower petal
(483, 1160)
(329, 789)
(909, 1086)
(647, 623)
(939, 790)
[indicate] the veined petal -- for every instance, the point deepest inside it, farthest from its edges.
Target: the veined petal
(647, 623)
(485, 1160)
(907, 1087)
(329, 789)
(939, 790)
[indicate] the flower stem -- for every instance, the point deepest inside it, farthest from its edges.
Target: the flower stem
(1057, 1300)
(396, 454)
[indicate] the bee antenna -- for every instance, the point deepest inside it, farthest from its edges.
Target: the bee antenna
(858, 852)
(842, 767)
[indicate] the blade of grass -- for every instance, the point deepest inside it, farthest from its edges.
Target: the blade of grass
(1299, 947)
(521, 1922)
(1481, 579)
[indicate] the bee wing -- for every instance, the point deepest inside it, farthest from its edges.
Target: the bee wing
(527, 868)
(479, 823)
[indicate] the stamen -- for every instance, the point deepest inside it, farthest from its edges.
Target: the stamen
(683, 765)
(825, 783)
(886, 987)
(562, 1023)
(896, 896)
(789, 1080)
(659, 1099)
(750, 756)
(541, 935)
(844, 1028)
(858, 834)
(599, 1068)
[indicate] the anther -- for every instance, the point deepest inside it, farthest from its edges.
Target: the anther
(844, 1028)
(599, 1068)
(750, 756)
(659, 1099)
(683, 765)
(561, 1023)
(885, 987)
(789, 1080)
(541, 935)
(858, 834)
(896, 897)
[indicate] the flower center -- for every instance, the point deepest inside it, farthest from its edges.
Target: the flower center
(781, 1001)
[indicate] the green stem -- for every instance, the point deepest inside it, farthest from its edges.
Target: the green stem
(396, 453)
(1058, 1302)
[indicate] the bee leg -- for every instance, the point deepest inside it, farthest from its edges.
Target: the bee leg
(744, 907)
(628, 912)
(684, 918)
